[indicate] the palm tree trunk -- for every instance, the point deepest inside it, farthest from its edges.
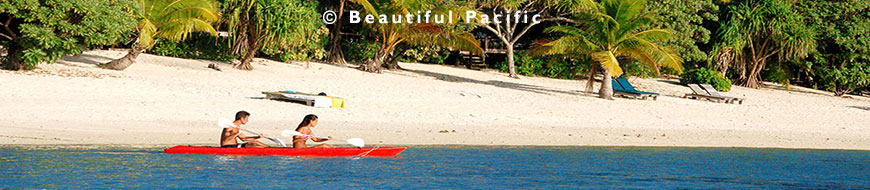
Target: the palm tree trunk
(126, 61)
(606, 90)
(383, 56)
(374, 65)
(245, 64)
(591, 80)
(392, 62)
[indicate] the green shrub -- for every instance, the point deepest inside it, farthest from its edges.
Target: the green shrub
(525, 65)
(303, 50)
(529, 65)
(554, 66)
(197, 46)
(852, 77)
(706, 76)
(357, 50)
(424, 54)
(42, 31)
(638, 70)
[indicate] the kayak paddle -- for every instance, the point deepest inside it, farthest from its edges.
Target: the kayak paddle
(358, 142)
(226, 123)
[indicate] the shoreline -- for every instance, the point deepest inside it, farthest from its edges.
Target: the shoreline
(164, 100)
(460, 146)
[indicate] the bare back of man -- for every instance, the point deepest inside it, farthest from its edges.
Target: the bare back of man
(229, 135)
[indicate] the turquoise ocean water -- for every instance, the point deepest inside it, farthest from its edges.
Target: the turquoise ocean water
(454, 167)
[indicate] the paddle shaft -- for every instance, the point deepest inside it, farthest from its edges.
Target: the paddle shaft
(226, 123)
(353, 141)
(296, 133)
(258, 134)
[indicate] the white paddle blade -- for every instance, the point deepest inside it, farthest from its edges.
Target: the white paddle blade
(225, 123)
(279, 142)
(288, 133)
(358, 142)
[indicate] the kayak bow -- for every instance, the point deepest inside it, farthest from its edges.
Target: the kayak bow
(326, 152)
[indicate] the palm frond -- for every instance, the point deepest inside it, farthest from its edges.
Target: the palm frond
(147, 30)
(367, 6)
(174, 19)
(614, 30)
(178, 30)
(608, 61)
(431, 34)
(642, 57)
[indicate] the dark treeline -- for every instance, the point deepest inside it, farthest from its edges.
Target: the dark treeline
(821, 44)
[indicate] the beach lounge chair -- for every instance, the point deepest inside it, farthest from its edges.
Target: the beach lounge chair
(320, 101)
(712, 91)
(623, 88)
(700, 93)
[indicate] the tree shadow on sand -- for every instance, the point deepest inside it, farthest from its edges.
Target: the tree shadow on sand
(501, 84)
(800, 90)
(866, 108)
(94, 60)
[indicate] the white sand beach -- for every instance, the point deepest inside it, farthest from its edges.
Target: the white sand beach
(168, 101)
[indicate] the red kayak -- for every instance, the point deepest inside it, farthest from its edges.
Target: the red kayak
(362, 152)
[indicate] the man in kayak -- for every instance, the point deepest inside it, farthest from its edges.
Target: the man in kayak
(310, 121)
(229, 135)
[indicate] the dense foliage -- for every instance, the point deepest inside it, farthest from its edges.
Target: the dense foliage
(42, 31)
(198, 46)
(841, 63)
(391, 34)
(424, 54)
(757, 32)
(822, 44)
(687, 20)
(556, 66)
(310, 35)
(359, 50)
(509, 33)
(274, 26)
(706, 76)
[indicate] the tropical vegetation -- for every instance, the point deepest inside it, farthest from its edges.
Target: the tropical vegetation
(611, 32)
(274, 24)
(392, 34)
(170, 19)
(42, 31)
(821, 44)
(509, 33)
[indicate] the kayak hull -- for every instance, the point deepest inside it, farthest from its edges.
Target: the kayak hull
(320, 152)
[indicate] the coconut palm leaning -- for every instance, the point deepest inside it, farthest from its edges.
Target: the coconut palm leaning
(611, 32)
(170, 19)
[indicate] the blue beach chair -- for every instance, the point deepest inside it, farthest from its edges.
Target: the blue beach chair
(623, 88)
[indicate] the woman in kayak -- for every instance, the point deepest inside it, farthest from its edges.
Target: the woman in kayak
(310, 121)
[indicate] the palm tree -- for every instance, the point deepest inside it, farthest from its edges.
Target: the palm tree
(611, 32)
(259, 24)
(755, 32)
(171, 19)
(392, 34)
